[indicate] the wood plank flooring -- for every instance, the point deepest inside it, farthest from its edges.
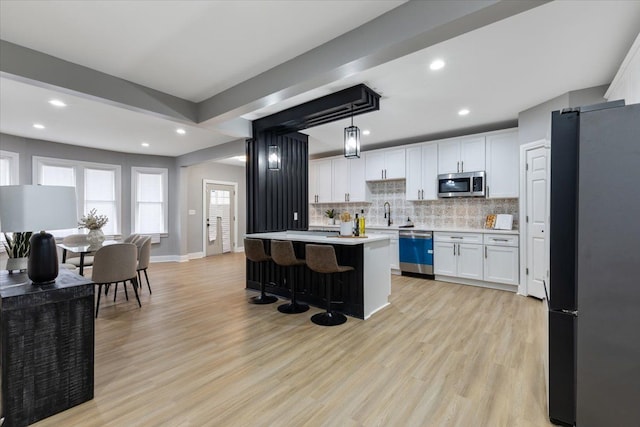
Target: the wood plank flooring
(197, 354)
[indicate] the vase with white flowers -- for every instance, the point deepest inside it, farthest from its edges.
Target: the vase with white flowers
(94, 223)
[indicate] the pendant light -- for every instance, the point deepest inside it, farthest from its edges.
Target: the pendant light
(273, 159)
(352, 140)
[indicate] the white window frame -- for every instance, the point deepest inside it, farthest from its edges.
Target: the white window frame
(14, 165)
(79, 168)
(164, 172)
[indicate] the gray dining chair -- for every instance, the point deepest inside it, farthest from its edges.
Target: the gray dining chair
(113, 264)
(144, 255)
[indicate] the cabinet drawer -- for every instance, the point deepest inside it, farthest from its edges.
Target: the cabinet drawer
(458, 237)
(501, 240)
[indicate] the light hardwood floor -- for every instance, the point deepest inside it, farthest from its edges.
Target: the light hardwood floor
(197, 354)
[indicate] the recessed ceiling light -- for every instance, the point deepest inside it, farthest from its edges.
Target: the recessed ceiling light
(437, 64)
(181, 131)
(38, 126)
(463, 112)
(241, 158)
(57, 103)
(366, 132)
(145, 144)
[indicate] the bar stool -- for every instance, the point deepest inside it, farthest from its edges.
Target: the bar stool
(322, 259)
(283, 254)
(254, 250)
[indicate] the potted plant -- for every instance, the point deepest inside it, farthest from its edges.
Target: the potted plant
(18, 248)
(331, 214)
(94, 223)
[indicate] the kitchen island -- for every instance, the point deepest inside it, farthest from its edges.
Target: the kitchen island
(361, 293)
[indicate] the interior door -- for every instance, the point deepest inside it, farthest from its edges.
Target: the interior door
(220, 216)
(537, 216)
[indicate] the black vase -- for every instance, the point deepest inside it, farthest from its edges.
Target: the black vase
(42, 267)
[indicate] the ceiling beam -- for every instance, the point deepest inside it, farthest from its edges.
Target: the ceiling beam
(408, 28)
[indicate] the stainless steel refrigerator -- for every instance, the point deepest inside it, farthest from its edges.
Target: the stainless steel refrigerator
(594, 295)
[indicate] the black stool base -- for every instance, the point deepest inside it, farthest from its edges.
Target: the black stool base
(263, 299)
(330, 318)
(292, 308)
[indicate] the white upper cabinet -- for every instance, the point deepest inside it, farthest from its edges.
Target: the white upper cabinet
(320, 181)
(503, 154)
(348, 180)
(422, 172)
(385, 164)
(461, 155)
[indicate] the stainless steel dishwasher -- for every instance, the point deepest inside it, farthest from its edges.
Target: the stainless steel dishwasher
(416, 251)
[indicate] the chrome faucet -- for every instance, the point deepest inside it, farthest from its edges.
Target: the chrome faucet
(387, 213)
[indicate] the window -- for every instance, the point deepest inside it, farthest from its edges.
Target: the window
(8, 168)
(97, 186)
(8, 176)
(150, 200)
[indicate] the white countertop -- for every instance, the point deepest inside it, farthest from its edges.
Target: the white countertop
(302, 236)
(394, 227)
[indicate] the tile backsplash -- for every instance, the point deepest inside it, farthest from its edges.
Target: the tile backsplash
(456, 212)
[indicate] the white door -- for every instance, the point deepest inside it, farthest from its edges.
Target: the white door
(220, 216)
(536, 208)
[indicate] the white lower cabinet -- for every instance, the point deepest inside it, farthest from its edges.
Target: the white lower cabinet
(477, 258)
(501, 259)
(458, 255)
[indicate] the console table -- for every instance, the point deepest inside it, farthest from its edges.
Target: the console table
(47, 346)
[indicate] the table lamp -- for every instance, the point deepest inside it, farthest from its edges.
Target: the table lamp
(39, 207)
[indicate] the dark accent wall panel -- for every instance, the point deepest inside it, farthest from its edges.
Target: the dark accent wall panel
(273, 196)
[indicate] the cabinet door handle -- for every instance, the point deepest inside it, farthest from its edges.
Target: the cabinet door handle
(454, 249)
(485, 251)
(458, 166)
(457, 237)
(462, 166)
(385, 174)
(500, 240)
(418, 194)
(422, 194)
(382, 174)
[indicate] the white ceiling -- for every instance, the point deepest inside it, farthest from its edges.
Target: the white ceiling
(204, 47)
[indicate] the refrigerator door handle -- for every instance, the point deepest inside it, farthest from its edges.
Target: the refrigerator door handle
(574, 313)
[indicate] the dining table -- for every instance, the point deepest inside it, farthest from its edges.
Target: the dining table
(82, 250)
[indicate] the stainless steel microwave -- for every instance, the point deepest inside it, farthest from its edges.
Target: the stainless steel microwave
(466, 184)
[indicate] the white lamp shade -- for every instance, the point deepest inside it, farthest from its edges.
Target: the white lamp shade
(37, 207)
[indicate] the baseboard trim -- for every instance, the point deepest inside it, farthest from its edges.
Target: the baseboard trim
(195, 255)
(170, 258)
(480, 283)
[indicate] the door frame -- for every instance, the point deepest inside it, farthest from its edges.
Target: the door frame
(234, 243)
(524, 196)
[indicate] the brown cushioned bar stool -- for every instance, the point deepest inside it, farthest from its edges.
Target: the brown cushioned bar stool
(254, 250)
(322, 259)
(283, 254)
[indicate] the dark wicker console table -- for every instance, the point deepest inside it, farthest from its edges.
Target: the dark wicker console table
(47, 346)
